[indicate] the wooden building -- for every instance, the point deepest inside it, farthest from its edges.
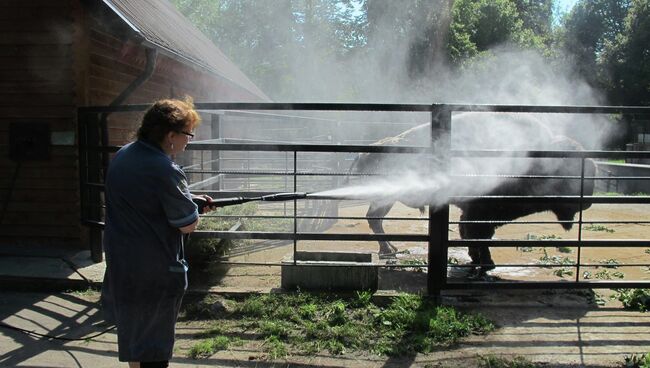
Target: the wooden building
(58, 55)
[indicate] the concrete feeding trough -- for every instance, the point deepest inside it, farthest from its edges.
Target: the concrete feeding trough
(343, 271)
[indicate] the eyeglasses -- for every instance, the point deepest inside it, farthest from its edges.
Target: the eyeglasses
(188, 134)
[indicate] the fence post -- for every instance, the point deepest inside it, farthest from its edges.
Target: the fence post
(215, 133)
(94, 170)
(439, 215)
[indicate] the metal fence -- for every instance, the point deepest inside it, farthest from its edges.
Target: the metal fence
(213, 168)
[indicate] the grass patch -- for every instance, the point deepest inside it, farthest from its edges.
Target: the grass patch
(492, 361)
(208, 347)
(634, 299)
(309, 323)
(557, 261)
(595, 227)
(89, 293)
(617, 194)
(542, 237)
(417, 263)
(637, 361)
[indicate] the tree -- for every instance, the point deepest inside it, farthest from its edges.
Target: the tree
(536, 15)
(276, 43)
(479, 25)
(585, 31)
(627, 58)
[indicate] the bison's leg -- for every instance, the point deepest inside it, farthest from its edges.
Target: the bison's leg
(375, 216)
(479, 255)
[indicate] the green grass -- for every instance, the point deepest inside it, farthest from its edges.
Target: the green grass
(637, 361)
(594, 227)
(542, 237)
(617, 194)
(557, 261)
(492, 361)
(309, 324)
(208, 347)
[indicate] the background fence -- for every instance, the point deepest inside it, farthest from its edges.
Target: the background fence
(258, 149)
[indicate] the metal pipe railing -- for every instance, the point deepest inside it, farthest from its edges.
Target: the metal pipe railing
(90, 188)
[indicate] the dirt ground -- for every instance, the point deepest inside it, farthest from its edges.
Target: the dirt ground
(264, 277)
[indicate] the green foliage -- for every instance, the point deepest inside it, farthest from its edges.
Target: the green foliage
(363, 298)
(206, 348)
(478, 25)
(557, 261)
(274, 328)
(606, 40)
(585, 32)
(554, 260)
(610, 263)
(542, 237)
(637, 361)
(603, 275)
(627, 58)
(634, 299)
(408, 324)
(594, 227)
(561, 272)
(492, 361)
(416, 262)
(275, 347)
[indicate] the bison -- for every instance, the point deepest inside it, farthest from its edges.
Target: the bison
(522, 133)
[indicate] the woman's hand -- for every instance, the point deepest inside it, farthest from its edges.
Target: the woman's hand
(204, 202)
(210, 207)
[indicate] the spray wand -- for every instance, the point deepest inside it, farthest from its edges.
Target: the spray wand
(202, 203)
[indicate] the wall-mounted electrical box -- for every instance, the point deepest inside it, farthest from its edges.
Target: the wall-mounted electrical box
(29, 141)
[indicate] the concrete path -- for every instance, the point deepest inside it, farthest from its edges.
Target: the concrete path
(558, 329)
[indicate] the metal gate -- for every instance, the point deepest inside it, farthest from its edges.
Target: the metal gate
(207, 164)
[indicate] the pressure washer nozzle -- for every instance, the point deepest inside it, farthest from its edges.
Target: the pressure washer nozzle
(284, 196)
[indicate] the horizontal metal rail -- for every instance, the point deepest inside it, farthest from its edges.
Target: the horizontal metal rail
(502, 285)
(585, 243)
(386, 107)
(548, 199)
(202, 234)
(87, 114)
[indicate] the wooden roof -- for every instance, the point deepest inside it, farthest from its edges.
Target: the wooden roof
(161, 25)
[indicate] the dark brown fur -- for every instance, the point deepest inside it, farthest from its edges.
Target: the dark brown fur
(476, 210)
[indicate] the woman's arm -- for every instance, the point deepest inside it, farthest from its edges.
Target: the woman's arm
(189, 228)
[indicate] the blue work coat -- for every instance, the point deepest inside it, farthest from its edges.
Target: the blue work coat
(147, 201)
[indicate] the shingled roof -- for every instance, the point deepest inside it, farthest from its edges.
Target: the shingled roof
(165, 28)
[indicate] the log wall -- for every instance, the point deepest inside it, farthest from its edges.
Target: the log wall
(54, 57)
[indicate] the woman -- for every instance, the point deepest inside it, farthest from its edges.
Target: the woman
(148, 209)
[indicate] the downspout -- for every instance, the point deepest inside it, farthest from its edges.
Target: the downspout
(151, 56)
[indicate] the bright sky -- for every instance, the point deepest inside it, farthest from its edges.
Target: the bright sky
(565, 5)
